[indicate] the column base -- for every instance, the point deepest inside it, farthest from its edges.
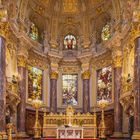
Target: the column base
(22, 135)
(117, 135)
(136, 135)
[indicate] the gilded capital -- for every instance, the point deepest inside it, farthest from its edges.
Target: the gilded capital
(54, 75)
(22, 61)
(117, 61)
(86, 74)
(4, 28)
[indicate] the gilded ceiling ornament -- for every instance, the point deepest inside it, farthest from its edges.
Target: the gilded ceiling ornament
(105, 32)
(53, 75)
(70, 6)
(86, 74)
(117, 61)
(22, 61)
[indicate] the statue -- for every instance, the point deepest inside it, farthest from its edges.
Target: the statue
(69, 113)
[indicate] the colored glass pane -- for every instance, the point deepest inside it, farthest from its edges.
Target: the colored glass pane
(70, 89)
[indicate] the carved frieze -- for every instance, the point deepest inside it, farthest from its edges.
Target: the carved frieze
(102, 60)
(69, 69)
(37, 60)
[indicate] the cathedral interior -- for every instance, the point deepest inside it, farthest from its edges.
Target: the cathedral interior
(70, 69)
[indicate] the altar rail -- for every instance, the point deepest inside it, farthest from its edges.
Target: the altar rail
(52, 121)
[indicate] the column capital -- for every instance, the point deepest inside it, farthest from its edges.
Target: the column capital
(53, 75)
(86, 74)
(4, 26)
(117, 61)
(117, 57)
(22, 60)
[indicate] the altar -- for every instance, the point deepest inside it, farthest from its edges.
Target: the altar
(70, 132)
(69, 125)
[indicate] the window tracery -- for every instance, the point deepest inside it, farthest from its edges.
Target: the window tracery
(70, 42)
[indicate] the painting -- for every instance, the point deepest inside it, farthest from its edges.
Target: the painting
(104, 84)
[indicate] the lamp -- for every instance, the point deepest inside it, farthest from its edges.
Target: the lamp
(102, 104)
(37, 127)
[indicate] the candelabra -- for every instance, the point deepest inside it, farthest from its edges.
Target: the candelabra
(37, 127)
(94, 124)
(9, 127)
(102, 104)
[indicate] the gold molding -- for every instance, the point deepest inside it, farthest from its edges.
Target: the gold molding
(53, 75)
(86, 74)
(4, 29)
(117, 61)
(22, 61)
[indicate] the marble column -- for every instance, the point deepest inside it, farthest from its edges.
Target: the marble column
(86, 98)
(136, 134)
(21, 110)
(53, 91)
(2, 84)
(118, 112)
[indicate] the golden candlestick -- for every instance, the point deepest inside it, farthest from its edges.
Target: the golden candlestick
(37, 127)
(94, 124)
(102, 127)
(9, 127)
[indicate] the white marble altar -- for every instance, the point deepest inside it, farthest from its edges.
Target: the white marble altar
(70, 132)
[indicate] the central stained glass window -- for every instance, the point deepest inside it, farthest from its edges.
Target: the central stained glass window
(70, 89)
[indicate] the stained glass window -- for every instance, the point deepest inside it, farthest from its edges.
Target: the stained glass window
(105, 35)
(104, 84)
(70, 42)
(70, 89)
(34, 83)
(33, 32)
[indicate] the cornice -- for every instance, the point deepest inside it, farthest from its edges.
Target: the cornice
(38, 60)
(102, 60)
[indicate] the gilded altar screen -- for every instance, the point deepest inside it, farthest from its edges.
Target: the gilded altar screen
(70, 89)
(34, 83)
(104, 84)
